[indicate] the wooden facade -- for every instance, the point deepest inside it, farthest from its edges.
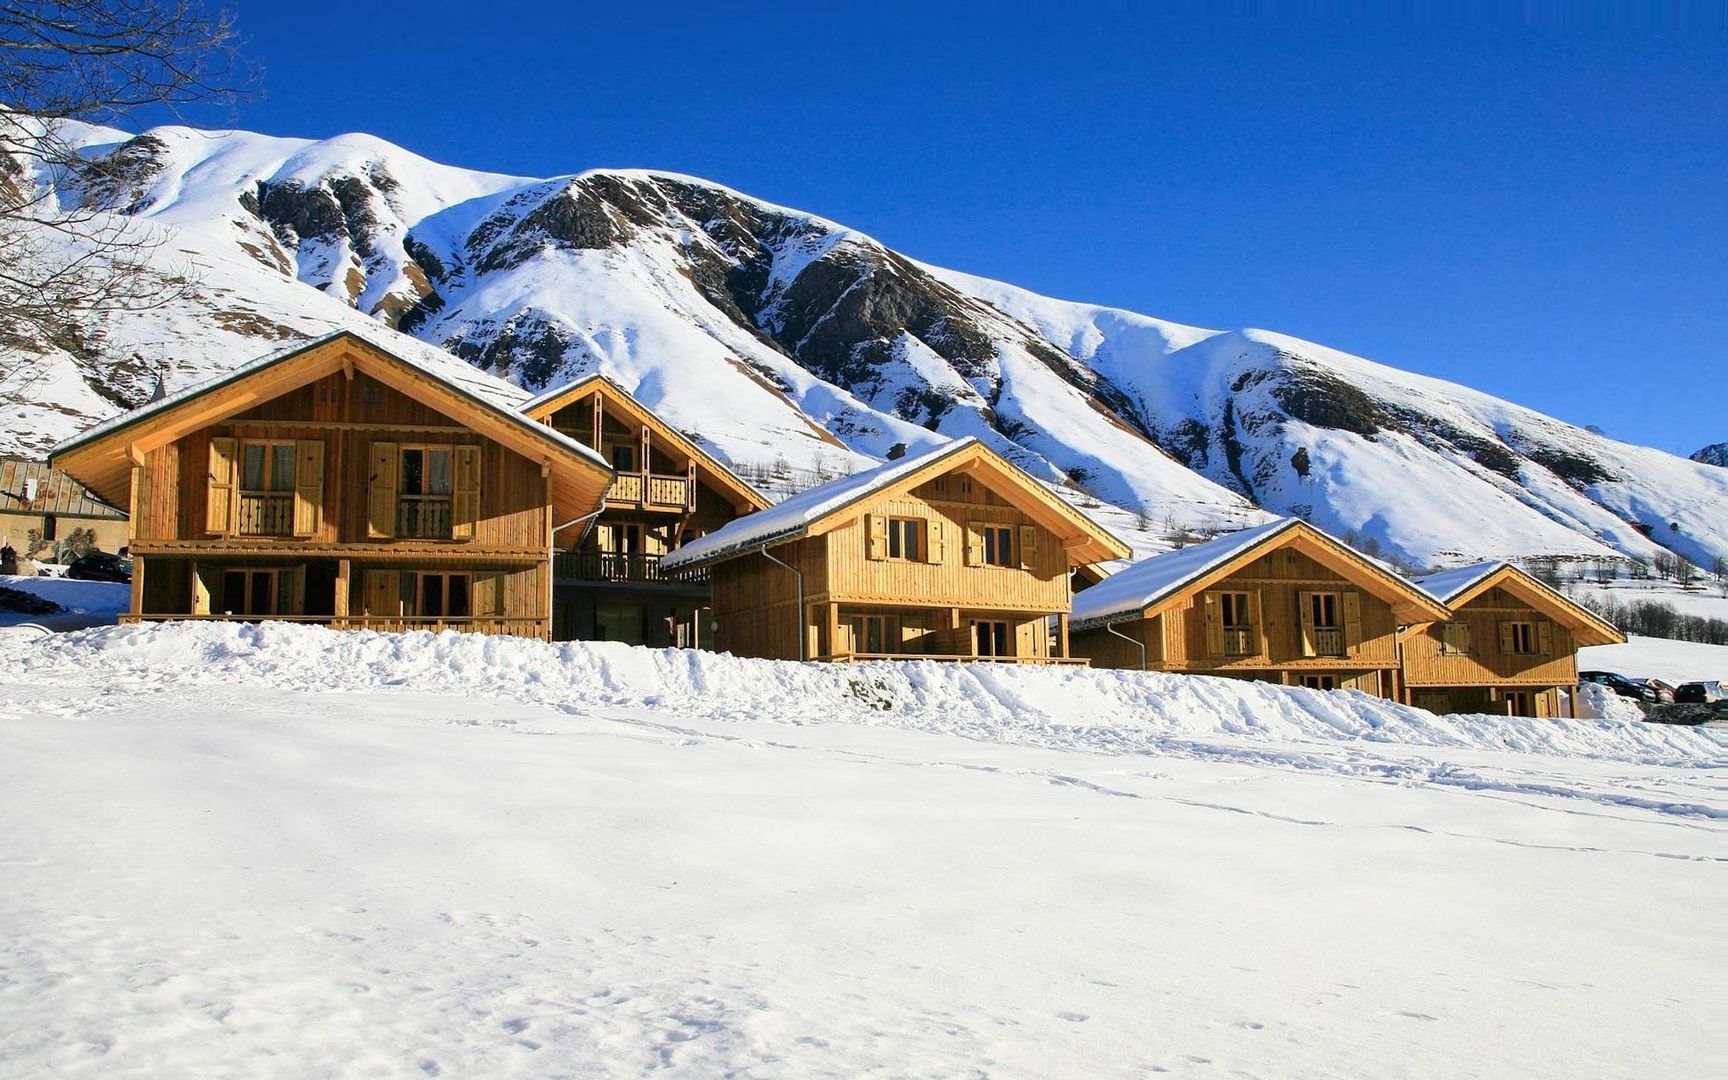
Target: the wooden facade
(1296, 607)
(957, 555)
(665, 492)
(340, 484)
(1510, 646)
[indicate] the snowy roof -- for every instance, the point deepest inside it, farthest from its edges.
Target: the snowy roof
(789, 519)
(487, 391)
(1448, 584)
(1125, 595)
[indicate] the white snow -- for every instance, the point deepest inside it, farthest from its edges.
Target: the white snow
(1658, 658)
(282, 851)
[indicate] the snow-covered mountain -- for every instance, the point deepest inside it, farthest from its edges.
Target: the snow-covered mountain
(774, 336)
(1714, 454)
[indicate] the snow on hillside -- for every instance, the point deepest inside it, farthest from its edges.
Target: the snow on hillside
(775, 337)
(285, 852)
(1674, 662)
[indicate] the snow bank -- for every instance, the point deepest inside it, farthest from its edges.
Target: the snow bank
(1597, 702)
(1069, 708)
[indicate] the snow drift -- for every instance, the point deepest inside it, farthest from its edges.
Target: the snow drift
(1117, 712)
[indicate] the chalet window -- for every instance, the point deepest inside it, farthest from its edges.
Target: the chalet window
(874, 634)
(623, 458)
(259, 592)
(438, 596)
(1455, 638)
(424, 492)
(266, 496)
(990, 638)
(619, 622)
(1519, 702)
(1525, 638)
(1330, 622)
(1320, 682)
(1236, 616)
(903, 538)
(998, 545)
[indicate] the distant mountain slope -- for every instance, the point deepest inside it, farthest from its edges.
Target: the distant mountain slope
(778, 338)
(1714, 454)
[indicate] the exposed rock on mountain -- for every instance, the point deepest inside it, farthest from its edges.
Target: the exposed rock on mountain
(1714, 454)
(786, 342)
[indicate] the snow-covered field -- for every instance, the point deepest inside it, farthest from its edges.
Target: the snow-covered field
(1658, 658)
(282, 851)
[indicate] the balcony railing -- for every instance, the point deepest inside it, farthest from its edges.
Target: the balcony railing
(1239, 641)
(961, 658)
(423, 517)
(519, 627)
(616, 566)
(266, 513)
(1328, 641)
(652, 490)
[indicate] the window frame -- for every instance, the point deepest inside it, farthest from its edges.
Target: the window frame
(1001, 639)
(278, 606)
(1316, 680)
(904, 539)
(415, 580)
(424, 498)
(1323, 600)
(991, 535)
(1522, 634)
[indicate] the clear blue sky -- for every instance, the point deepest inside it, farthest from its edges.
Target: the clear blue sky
(1538, 208)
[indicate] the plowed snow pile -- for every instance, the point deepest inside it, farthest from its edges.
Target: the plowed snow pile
(279, 851)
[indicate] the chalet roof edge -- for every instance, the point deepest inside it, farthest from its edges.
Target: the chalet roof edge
(509, 412)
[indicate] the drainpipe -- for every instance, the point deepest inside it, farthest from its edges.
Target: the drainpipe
(1110, 628)
(803, 633)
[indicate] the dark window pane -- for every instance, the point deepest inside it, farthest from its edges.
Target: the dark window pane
(459, 596)
(437, 472)
(234, 591)
(262, 580)
(413, 472)
(432, 595)
(252, 467)
(282, 467)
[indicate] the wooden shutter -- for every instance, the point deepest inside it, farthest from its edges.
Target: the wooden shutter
(1257, 624)
(935, 546)
(974, 544)
(1545, 638)
(381, 493)
(200, 588)
(1212, 617)
(1028, 547)
(1465, 643)
(877, 528)
(1352, 619)
(1305, 618)
(292, 582)
(465, 500)
(383, 594)
(487, 600)
(308, 486)
(223, 499)
(1505, 639)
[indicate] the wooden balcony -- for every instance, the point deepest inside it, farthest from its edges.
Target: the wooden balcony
(265, 513)
(423, 517)
(622, 566)
(517, 627)
(1239, 641)
(650, 492)
(1329, 641)
(860, 657)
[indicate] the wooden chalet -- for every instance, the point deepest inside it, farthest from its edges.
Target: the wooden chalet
(1281, 602)
(953, 554)
(665, 492)
(1509, 646)
(344, 483)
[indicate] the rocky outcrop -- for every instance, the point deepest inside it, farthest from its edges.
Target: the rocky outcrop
(1714, 454)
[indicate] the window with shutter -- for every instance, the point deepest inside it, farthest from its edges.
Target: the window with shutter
(1028, 547)
(465, 504)
(308, 486)
(222, 498)
(381, 491)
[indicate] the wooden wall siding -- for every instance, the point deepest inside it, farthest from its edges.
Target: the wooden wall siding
(513, 512)
(1278, 579)
(1107, 650)
(855, 577)
(1486, 664)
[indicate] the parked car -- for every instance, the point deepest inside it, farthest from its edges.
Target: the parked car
(1705, 692)
(100, 566)
(1664, 691)
(1620, 684)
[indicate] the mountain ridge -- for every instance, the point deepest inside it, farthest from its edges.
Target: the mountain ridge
(775, 336)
